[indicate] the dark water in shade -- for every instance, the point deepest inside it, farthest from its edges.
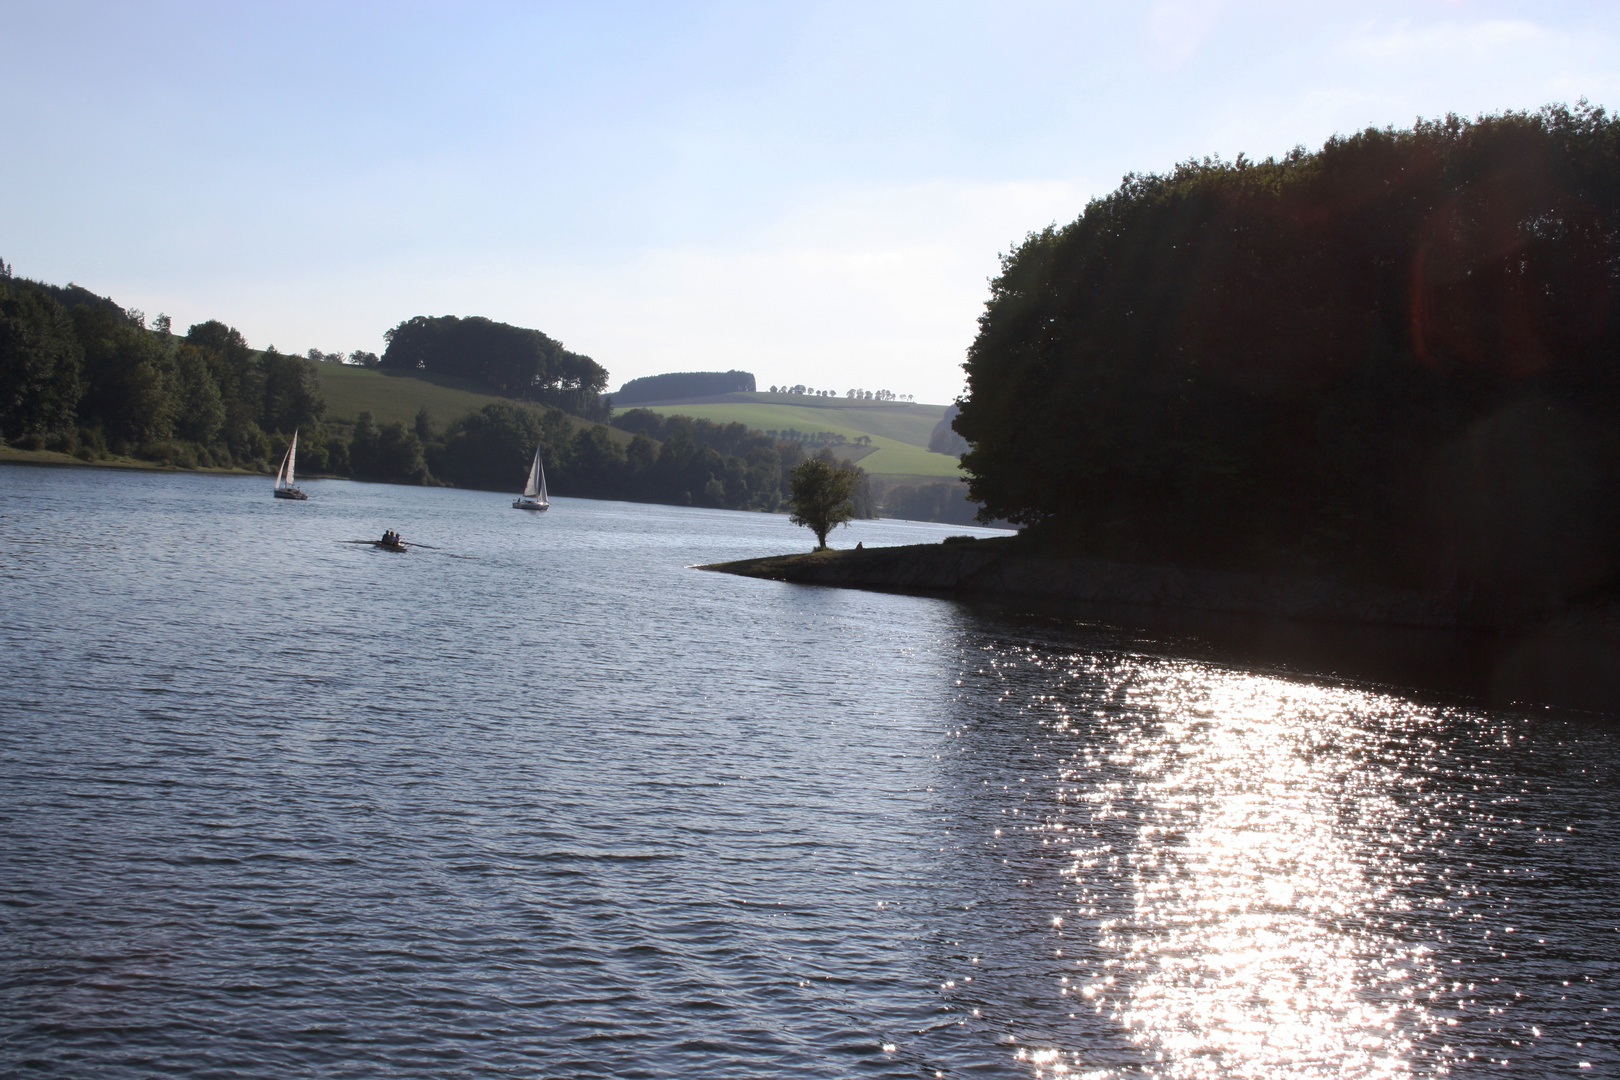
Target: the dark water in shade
(274, 806)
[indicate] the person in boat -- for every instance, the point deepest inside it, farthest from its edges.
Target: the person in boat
(388, 537)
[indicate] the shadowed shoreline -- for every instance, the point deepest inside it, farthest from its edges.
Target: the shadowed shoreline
(1446, 643)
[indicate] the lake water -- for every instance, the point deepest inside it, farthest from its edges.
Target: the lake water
(549, 803)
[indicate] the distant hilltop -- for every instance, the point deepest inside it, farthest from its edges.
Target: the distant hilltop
(684, 384)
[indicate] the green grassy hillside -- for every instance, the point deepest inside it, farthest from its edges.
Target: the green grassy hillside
(395, 395)
(899, 430)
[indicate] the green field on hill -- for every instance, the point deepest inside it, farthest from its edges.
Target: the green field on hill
(899, 430)
(395, 395)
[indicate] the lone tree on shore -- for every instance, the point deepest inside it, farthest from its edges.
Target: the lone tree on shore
(821, 495)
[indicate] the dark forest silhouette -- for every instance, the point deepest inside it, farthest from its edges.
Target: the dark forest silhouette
(684, 384)
(512, 361)
(1395, 359)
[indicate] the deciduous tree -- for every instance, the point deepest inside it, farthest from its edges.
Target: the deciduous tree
(821, 495)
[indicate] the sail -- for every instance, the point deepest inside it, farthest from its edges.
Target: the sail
(281, 473)
(537, 478)
(542, 469)
(292, 458)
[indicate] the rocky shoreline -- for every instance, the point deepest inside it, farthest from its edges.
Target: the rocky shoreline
(1568, 656)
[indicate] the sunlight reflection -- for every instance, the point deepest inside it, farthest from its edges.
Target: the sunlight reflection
(1246, 951)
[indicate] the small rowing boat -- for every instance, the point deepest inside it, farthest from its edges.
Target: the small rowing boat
(392, 542)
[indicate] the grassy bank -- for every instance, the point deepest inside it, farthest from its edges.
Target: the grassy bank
(396, 395)
(12, 455)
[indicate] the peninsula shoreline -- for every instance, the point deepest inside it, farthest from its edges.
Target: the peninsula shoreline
(1567, 657)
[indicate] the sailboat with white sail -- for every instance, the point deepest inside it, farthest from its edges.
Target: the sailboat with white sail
(534, 492)
(285, 488)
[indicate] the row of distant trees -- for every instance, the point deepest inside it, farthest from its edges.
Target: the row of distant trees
(81, 375)
(678, 385)
(819, 438)
(673, 459)
(725, 465)
(512, 361)
(359, 358)
(852, 394)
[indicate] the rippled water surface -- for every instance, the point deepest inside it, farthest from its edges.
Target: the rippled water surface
(549, 803)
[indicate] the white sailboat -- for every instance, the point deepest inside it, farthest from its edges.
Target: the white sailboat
(284, 475)
(534, 492)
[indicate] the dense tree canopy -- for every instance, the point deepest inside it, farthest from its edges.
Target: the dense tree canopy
(510, 360)
(80, 374)
(1398, 356)
(684, 384)
(944, 439)
(941, 500)
(822, 496)
(40, 363)
(672, 460)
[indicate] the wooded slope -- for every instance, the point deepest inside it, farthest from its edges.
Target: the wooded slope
(1396, 358)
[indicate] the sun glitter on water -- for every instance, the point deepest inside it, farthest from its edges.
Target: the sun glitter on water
(1276, 852)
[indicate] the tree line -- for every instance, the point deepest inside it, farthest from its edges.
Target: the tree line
(739, 467)
(511, 361)
(675, 460)
(939, 500)
(81, 375)
(853, 394)
(944, 439)
(1396, 358)
(684, 384)
(818, 438)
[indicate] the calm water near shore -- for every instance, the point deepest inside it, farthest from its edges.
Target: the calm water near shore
(547, 802)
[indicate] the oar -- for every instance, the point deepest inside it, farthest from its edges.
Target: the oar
(430, 547)
(409, 544)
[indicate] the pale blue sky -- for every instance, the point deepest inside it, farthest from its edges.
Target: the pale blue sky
(815, 192)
